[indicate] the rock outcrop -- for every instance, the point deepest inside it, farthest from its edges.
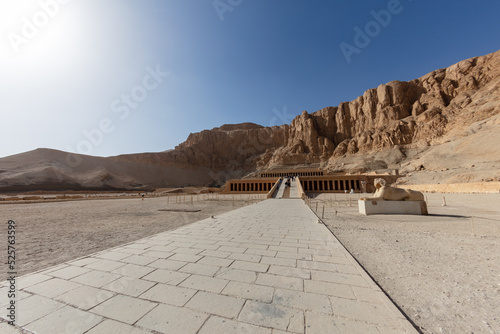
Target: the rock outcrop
(231, 147)
(418, 112)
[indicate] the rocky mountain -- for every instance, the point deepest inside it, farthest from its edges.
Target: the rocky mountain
(398, 114)
(444, 125)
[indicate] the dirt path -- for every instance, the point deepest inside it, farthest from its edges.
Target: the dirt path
(51, 233)
(442, 270)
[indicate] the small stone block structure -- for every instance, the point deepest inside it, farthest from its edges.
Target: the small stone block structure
(368, 207)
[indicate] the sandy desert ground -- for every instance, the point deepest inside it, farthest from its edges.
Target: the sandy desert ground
(442, 270)
(51, 233)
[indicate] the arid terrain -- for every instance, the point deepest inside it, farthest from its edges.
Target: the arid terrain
(442, 270)
(51, 233)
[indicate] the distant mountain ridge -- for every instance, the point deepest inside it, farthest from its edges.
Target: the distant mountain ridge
(395, 125)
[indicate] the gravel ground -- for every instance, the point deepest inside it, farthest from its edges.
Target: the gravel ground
(48, 234)
(442, 270)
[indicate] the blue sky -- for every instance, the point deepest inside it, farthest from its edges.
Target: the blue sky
(121, 76)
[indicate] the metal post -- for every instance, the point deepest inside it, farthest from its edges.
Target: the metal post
(472, 224)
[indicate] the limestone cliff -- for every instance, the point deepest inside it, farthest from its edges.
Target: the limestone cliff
(418, 112)
(231, 147)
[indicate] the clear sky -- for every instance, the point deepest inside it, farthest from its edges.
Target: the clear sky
(125, 76)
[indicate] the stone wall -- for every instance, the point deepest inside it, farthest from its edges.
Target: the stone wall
(481, 187)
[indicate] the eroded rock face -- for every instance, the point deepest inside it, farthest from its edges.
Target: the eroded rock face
(229, 147)
(418, 112)
(396, 113)
(235, 148)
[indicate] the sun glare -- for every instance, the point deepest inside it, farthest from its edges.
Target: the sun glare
(36, 30)
(39, 36)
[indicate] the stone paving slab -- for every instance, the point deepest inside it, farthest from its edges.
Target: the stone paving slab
(281, 189)
(265, 268)
(294, 191)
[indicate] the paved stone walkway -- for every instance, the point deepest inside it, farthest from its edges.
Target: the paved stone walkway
(281, 190)
(294, 192)
(265, 268)
(287, 192)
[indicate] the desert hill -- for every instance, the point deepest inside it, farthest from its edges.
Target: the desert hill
(46, 169)
(441, 128)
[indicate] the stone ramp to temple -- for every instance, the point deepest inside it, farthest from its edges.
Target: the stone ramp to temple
(281, 190)
(287, 192)
(265, 268)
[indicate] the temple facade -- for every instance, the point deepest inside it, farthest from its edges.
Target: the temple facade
(256, 185)
(289, 172)
(311, 180)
